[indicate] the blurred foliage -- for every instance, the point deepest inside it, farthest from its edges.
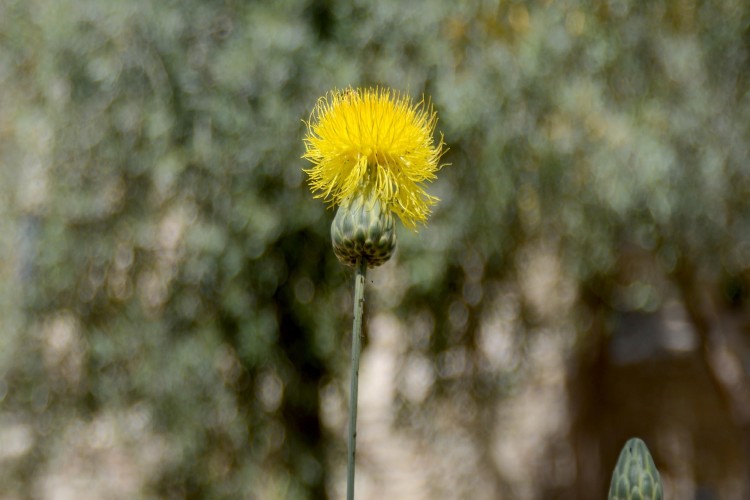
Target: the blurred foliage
(168, 282)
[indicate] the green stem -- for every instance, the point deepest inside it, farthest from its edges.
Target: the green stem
(359, 302)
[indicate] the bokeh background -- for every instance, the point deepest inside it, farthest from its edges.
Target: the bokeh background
(174, 324)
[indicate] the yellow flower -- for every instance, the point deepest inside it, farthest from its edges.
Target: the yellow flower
(374, 142)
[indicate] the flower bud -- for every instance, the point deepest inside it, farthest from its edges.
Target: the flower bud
(362, 229)
(635, 476)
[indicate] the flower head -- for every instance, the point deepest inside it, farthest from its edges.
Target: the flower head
(377, 143)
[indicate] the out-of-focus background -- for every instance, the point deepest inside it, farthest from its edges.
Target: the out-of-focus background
(174, 323)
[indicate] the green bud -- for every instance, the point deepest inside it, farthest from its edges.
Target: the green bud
(362, 229)
(635, 476)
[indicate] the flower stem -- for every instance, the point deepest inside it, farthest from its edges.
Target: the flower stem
(359, 302)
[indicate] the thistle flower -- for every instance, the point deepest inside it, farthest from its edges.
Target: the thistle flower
(371, 150)
(377, 144)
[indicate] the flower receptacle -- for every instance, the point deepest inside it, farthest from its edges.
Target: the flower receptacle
(363, 229)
